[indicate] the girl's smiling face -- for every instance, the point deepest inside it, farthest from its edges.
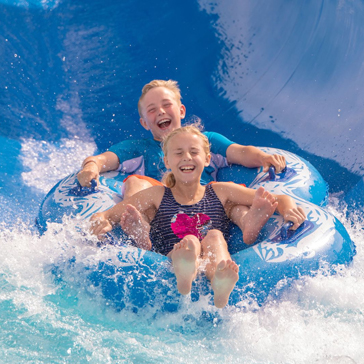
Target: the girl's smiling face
(186, 157)
(162, 113)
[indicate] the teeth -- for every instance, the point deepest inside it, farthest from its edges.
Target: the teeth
(187, 168)
(163, 121)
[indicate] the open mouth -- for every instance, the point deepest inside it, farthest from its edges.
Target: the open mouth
(187, 169)
(165, 123)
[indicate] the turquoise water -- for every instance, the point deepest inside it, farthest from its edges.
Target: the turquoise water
(319, 320)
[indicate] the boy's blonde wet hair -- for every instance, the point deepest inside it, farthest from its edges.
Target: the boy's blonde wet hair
(170, 85)
(195, 129)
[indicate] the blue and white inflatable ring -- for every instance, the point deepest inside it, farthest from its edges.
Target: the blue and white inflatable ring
(137, 278)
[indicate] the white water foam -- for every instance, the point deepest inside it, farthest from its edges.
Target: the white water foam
(319, 320)
(44, 4)
(50, 162)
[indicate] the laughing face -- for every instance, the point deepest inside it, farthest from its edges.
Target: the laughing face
(161, 112)
(186, 157)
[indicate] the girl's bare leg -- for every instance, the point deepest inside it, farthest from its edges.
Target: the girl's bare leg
(185, 260)
(220, 269)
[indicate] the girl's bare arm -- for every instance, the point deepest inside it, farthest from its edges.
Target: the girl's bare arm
(144, 201)
(231, 194)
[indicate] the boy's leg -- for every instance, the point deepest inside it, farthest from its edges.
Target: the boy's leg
(134, 184)
(237, 214)
(132, 221)
(220, 269)
(134, 224)
(185, 260)
(251, 220)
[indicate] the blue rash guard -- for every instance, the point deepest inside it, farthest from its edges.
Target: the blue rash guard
(145, 157)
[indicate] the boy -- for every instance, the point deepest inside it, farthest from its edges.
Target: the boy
(161, 112)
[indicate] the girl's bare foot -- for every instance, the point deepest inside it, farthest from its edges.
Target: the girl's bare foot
(263, 207)
(184, 259)
(133, 223)
(225, 278)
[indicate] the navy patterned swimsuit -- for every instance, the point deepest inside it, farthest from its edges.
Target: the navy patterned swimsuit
(173, 221)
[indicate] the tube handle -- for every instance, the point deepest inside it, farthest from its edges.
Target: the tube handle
(284, 230)
(80, 191)
(272, 172)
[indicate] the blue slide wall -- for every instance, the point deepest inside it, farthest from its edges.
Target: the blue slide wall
(287, 74)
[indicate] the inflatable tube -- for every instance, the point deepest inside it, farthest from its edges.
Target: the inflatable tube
(138, 278)
(301, 179)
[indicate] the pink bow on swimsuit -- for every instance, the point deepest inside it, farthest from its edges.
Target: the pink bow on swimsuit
(196, 225)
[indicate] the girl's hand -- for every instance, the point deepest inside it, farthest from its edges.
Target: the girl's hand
(100, 225)
(296, 215)
(275, 160)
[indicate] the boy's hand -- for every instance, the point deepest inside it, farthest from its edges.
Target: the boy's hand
(275, 160)
(296, 215)
(100, 225)
(89, 172)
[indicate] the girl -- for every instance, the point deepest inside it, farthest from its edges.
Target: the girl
(189, 222)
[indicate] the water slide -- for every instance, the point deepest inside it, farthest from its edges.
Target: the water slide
(282, 74)
(285, 74)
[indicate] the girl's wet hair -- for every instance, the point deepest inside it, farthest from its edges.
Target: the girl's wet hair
(195, 129)
(170, 85)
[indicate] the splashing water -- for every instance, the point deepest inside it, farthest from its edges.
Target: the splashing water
(44, 319)
(318, 320)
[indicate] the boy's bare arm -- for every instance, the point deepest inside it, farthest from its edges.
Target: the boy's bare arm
(93, 166)
(252, 157)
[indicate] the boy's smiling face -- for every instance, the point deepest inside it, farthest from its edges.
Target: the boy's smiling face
(161, 112)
